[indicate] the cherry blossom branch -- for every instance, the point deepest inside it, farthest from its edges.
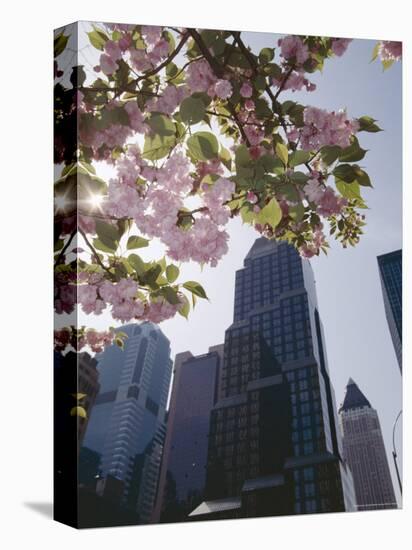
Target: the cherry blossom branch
(66, 246)
(219, 72)
(95, 254)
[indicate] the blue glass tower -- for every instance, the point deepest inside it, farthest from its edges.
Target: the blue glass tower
(127, 425)
(183, 474)
(274, 445)
(390, 271)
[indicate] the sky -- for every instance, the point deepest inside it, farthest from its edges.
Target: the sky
(357, 337)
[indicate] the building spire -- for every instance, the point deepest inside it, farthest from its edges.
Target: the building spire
(354, 398)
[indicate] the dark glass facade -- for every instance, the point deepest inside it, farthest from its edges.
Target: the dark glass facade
(183, 473)
(390, 271)
(274, 447)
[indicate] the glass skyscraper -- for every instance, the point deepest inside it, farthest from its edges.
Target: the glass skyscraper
(390, 271)
(274, 445)
(365, 452)
(127, 424)
(183, 474)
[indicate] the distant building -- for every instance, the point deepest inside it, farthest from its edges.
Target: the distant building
(183, 474)
(390, 271)
(364, 450)
(274, 445)
(127, 424)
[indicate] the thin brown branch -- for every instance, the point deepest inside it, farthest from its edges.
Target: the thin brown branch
(219, 71)
(95, 254)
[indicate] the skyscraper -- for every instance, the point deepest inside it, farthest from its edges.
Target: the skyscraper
(183, 473)
(127, 425)
(390, 271)
(274, 446)
(365, 452)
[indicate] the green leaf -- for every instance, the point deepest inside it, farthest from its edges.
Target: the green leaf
(297, 212)
(184, 308)
(247, 214)
(203, 146)
(78, 411)
(105, 247)
(60, 43)
(97, 39)
(266, 55)
(348, 190)
(386, 63)
(352, 153)
(282, 152)
(192, 110)
(170, 294)
(345, 172)
(299, 177)
(195, 288)
(270, 214)
(242, 157)
(108, 235)
(157, 147)
(367, 124)
(137, 263)
(330, 153)
(161, 125)
(375, 51)
(362, 177)
(136, 242)
(172, 273)
(226, 158)
(58, 245)
(298, 157)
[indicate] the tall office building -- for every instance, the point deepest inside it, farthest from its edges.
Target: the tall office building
(274, 445)
(127, 425)
(390, 271)
(183, 473)
(365, 452)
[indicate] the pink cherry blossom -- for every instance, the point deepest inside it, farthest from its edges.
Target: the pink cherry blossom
(113, 50)
(324, 128)
(293, 48)
(151, 34)
(313, 190)
(340, 45)
(199, 76)
(246, 90)
(223, 89)
(108, 65)
(390, 51)
(255, 134)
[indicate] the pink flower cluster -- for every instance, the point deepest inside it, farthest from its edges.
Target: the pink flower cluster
(108, 59)
(123, 298)
(324, 128)
(97, 340)
(327, 201)
(294, 82)
(199, 76)
(158, 204)
(157, 49)
(390, 51)
(340, 45)
(167, 103)
(312, 248)
(115, 135)
(293, 49)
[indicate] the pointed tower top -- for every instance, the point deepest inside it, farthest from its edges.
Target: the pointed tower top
(354, 398)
